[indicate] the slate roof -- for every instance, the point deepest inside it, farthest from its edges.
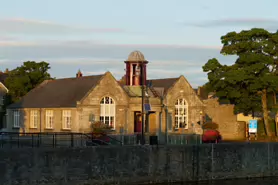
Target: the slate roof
(165, 83)
(67, 91)
(157, 88)
(58, 93)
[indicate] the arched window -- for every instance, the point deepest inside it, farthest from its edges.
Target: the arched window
(181, 114)
(107, 111)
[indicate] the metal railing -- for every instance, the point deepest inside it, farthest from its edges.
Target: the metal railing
(32, 140)
(184, 139)
(172, 139)
(17, 140)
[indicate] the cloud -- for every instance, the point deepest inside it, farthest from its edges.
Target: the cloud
(113, 62)
(4, 61)
(88, 49)
(98, 43)
(237, 22)
(7, 38)
(93, 57)
(31, 27)
(15, 43)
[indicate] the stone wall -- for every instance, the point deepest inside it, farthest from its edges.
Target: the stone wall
(224, 116)
(136, 164)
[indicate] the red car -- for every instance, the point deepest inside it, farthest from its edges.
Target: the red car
(211, 136)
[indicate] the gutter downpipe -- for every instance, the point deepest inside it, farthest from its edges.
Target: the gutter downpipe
(164, 108)
(166, 126)
(143, 108)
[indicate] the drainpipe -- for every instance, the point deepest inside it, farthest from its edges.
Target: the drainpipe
(40, 125)
(166, 126)
(164, 108)
(143, 111)
(126, 117)
(40, 120)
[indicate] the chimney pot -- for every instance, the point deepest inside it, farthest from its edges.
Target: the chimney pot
(79, 74)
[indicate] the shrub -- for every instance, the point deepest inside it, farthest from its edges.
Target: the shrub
(210, 126)
(99, 128)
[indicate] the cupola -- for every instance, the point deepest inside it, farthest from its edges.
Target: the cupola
(136, 70)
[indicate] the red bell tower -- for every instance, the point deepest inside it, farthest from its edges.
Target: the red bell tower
(136, 69)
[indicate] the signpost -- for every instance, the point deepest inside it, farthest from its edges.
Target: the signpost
(147, 107)
(253, 128)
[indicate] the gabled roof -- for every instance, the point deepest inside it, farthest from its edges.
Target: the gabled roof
(165, 83)
(3, 77)
(58, 93)
(157, 88)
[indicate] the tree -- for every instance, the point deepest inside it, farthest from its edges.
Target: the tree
(247, 82)
(26, 77)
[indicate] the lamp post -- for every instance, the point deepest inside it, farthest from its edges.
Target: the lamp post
(143, 109)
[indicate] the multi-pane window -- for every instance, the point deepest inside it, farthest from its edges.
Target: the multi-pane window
(66, 119)
(49, 119)
(181, 114)
(16, 118)
(2, 100)
(34, 118)
(107, 111)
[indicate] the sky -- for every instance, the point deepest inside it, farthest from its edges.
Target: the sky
(177, 37)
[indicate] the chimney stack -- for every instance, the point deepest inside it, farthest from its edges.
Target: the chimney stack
(199, 91)
(79, 74)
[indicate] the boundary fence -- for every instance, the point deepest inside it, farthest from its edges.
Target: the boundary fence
(60, 139)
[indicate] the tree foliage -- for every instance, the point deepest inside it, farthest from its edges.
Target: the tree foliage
(254, 74)
(26, 77)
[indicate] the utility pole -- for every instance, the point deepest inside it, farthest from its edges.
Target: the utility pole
(143, 109)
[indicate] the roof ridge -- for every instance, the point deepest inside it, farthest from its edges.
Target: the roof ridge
(164, 78)
(69, 78)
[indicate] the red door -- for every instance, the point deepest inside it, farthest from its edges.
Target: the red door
(137, 123)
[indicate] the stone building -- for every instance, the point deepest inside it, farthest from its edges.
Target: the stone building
(3, 91)
(73, 104)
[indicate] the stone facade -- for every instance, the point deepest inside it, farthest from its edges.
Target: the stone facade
(25, 123)
(3, 92)
(183, 90)
(108, 86)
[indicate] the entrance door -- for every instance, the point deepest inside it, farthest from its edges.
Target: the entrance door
(137, 122)
(152, 124)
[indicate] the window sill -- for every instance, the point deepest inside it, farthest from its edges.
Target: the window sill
(49, 129)
(177, 129)
(66, 129)
(15, 127)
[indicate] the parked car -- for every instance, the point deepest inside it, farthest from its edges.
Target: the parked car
(211, 136)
